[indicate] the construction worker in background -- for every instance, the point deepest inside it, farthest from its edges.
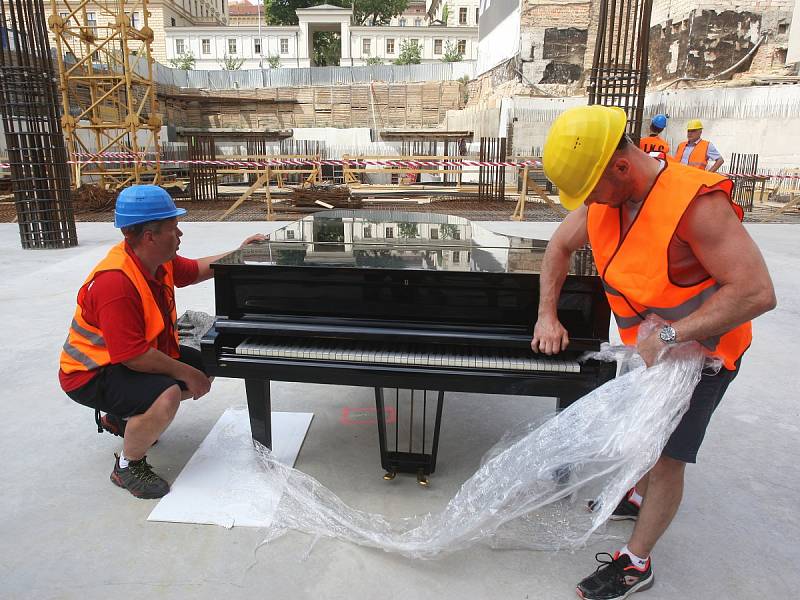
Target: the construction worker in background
(122, 355)
(667, 241)
(696, 152)
(654, 142)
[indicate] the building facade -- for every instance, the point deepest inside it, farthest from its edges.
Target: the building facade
(253, 46)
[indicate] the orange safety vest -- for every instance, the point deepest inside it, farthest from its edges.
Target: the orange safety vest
(635, 267)
(653, 143)
(85, 348)
(698, 157)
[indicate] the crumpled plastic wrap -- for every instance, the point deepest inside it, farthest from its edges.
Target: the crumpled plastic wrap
(532, 487)
(192, 326)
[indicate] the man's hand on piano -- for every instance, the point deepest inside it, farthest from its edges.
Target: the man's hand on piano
(549, 336)
(258, 237)
(197, 383)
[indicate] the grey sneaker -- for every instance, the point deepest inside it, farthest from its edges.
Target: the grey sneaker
(139, 479)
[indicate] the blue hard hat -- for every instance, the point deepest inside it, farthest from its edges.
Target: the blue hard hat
(142, 203)
(659, 121)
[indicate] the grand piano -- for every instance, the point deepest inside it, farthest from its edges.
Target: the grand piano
(411, 304)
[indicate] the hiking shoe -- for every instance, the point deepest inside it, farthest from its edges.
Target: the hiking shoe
(113, 424)
(139, 479)
(625, 510)
(615, 579)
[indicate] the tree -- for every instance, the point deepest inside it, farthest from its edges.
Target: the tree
(377, 12)
(282, 12)
(374, 60)
(407, 230)
(231, 63)
(274, 61)
(327, 48)
(445, 16)
(185, 61)
(410, 53)
(451, 53)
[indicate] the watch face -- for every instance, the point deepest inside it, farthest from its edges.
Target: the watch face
(667, 334)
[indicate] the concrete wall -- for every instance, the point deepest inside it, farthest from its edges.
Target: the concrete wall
(760, 120)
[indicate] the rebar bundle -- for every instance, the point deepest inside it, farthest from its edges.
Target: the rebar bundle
(619, 67)
(29, 107)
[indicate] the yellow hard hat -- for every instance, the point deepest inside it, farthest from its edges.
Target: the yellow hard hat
(694, 124)
(578, 148)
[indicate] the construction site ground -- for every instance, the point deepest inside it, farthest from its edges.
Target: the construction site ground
(469, 208)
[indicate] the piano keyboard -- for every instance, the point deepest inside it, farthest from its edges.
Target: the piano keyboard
(459, 357)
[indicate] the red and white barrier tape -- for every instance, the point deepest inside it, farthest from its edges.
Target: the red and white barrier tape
(119, 158)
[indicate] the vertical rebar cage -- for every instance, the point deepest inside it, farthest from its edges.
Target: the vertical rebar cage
(28, 103)
(619, 67)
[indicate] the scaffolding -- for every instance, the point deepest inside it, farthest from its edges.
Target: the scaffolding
(109, 106)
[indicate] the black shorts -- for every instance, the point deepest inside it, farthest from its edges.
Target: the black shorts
(123, 392)
(688, 435)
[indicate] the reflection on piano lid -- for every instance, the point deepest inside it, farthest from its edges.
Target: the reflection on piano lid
(399, 240)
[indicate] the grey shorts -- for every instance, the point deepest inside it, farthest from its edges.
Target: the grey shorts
(688, 435)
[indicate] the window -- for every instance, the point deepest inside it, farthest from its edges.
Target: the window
(257, 46)
(289, 234)
(390, 232)
(205, 46)
(402, 22)
(462, 16)
(368, 231)
(135, 20)
(417, 22)
(477, 14)
(456, 257)
(232, 46)
(390, 46)
(172, 21)
(462, 46)
(366, 46)
(91, 20)
(437, 46)
(180, 47)
(456, 235)
(284, 46)
(434, 233)
(414, 42)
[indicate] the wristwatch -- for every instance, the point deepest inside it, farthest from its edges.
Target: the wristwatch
(668, 334)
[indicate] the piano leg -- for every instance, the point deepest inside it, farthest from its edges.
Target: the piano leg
(568, 398)
(260, 409)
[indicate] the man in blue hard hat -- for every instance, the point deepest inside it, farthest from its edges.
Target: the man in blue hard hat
(654, 143)
(122, 355)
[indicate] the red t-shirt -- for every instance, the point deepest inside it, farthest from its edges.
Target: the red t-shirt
(113, 304)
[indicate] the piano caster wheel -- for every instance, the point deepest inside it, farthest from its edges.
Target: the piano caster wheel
(422, 479)
(389, 475)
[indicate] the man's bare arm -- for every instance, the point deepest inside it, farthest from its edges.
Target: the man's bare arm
(731, 257)
(204, 264)
(549, 336)
(717, 164)
(155, 361)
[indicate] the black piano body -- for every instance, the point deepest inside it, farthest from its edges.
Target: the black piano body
(388, 299)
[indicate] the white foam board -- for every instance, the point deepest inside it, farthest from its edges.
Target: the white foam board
(222, 484)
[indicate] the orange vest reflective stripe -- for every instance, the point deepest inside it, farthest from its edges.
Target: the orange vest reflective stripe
(635, 268)
(85, 348)
(653, 143)
(698, 157)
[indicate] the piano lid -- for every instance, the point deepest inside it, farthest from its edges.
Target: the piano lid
(383, 239)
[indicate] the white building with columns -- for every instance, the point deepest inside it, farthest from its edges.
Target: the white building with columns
(256, 45)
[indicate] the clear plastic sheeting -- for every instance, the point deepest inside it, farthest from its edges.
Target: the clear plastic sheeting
(192, 326)
(532, 487)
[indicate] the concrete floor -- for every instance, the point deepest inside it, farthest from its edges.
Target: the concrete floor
(67, 532)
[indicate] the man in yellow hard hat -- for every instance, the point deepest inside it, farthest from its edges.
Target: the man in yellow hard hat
(695, 151)
(668, 241)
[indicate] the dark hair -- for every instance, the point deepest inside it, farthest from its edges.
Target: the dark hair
(655, 129)
(133, 233)
(623, 142)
